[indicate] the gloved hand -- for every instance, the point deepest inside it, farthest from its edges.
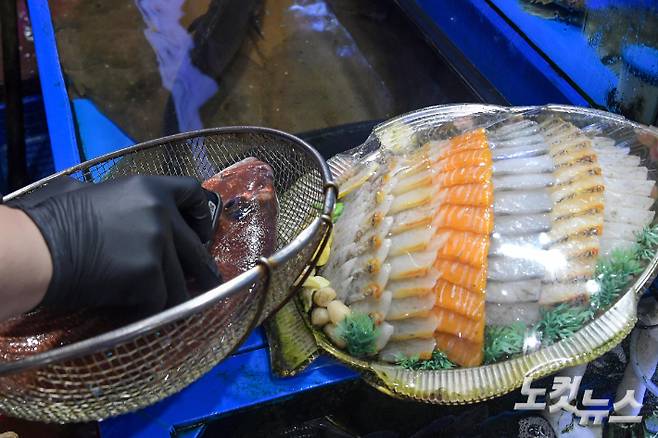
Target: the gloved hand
(126, 243)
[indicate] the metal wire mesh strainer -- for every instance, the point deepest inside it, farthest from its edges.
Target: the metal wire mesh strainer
(139, 364)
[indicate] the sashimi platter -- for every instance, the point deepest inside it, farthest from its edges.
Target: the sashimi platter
(475, 245)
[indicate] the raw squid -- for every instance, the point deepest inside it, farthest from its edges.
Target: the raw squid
(250, 209)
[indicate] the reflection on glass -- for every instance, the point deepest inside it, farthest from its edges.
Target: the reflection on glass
(609, 48)
(155, 67)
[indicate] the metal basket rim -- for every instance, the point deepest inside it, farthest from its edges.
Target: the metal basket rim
(204, 300)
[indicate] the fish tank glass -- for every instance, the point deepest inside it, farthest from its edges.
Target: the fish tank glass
(156, 67)
(606, 49)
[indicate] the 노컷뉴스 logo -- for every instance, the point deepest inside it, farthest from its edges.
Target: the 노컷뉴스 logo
(565, 389)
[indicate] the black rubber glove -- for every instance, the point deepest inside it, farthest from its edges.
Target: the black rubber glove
(59, 185)
(126, 243)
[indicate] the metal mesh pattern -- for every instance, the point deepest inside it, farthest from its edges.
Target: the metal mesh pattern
(154, 363)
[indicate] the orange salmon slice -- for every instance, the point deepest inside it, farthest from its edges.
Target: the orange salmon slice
(460, 351)
(474, 195)
(459, 300)
(458, 325)
(464, 247)
(474, 219)
(468, 277)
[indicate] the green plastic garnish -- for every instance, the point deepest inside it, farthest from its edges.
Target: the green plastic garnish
(562, 321)
(501, 342)
(647, 241)
(360, 334)
(439, 361)
(612, 274)
(338, 210)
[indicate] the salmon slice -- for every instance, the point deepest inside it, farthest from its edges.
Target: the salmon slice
(464, 247)
(465, 158)
(457, 325)
(474, 219)
(473, 140)
(464, 175)
(460, 351)
(459, 300)
(474, 195)
(468, 277)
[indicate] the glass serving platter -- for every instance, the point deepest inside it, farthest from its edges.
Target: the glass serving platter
(553, 244)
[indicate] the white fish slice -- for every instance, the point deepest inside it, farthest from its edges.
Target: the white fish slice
(639, 173)
(628, 200)
(413, 287)
(416, 181)
(591, 183)
(510, 245)
(521, 224)
(414, 240)
(411, 307)
(573, 226)
(514, 269)
(530, 150)
(602, 142)
(581, 203)
(522, 202)
(414, 328)
(630, 186)
(385, 333)
(636, 217)
(574, 270)
(619, 160)
(411, 265)
(569, 145)
(524, 132)
(421, 348)
(516, 141)
(364, 284)
(506, 314)
(364, 242)
(579, 246)
(513, 128)
(608, 245)
(554, 293)
(540, 164)
(377, 307)
(513, 291)
(411, 199)
(359, 179)
(409, 219)
(619, 230)
(567, 174)
(523, 181)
